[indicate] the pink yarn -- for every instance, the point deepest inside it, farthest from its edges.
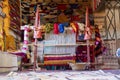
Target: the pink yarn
(24, 48)
(87, 34)
(25, 42)
(26, 29)
(26, 35)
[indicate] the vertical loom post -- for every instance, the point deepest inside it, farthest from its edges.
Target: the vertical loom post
(37, 34)
(35, 54)
(87, 34)
(88, 51)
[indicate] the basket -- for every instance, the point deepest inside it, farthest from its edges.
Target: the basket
(8, 62)
(78, 66)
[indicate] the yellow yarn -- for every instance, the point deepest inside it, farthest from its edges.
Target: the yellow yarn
(73, 26)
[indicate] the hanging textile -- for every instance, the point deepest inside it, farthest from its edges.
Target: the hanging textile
(2, 29)
(6, 10)
(1, 34)
(10, 43)
(61, 28)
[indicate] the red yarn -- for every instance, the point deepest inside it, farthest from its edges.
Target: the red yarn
(77, 27)
(56, 31)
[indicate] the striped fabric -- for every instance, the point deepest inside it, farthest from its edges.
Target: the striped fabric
(58, 59)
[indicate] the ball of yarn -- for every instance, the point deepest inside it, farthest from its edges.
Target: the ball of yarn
(48, 27)
(61, 28)
(56, 31)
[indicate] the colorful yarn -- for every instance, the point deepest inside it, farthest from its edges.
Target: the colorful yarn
(81, 26)
(74, 27)
(48, 27)
(56, 31)
(61, 28)
(66, 24)
(26, 42)
(77, 27)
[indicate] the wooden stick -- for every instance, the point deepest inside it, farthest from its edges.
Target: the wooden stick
(87, 25)
(35, 54)
(88, 52)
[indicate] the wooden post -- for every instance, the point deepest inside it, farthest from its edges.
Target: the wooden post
(37, 34)
(35, 54)
(88, 51)
(87, 35)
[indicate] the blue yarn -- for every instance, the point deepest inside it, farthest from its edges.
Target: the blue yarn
(35, 7)
(66, 24)
(81, 37)
(61, 28)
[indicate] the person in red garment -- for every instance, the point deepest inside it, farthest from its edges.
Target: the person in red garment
(98, 42)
